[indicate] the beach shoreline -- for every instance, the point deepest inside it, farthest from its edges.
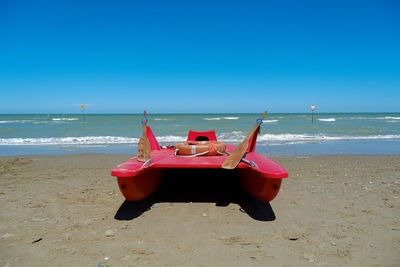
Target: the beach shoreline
(332, 210)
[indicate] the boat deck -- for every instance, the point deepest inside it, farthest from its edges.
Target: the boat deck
(166, 158)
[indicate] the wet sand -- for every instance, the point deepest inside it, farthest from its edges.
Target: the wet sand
(68, 211)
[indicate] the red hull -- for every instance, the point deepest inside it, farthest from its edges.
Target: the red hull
(262, 188)
(141, 186)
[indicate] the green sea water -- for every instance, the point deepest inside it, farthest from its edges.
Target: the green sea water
(106, 130)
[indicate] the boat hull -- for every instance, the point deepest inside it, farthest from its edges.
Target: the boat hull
(139, 187)
(144, 184)
(262, 188)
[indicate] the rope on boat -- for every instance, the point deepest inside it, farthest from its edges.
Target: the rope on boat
(250, 162)
(146, 163)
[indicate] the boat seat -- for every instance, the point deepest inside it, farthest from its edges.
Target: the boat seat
(202, 136)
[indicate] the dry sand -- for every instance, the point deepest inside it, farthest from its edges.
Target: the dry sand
(68, 211)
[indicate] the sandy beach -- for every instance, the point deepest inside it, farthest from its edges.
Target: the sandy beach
(68, 211)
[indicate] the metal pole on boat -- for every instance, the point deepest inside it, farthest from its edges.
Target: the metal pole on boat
(312, 113)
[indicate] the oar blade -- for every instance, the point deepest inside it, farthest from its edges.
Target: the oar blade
(144, 148)
(235, 157)
(237, 154)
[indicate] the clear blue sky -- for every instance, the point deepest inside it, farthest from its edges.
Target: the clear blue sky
(199, 56)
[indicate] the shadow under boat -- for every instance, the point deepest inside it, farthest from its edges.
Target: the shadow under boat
(217, 186)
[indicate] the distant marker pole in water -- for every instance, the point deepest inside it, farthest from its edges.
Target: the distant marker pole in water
(312, 113)
(83, 111)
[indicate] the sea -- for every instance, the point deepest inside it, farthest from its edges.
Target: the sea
(282, 134)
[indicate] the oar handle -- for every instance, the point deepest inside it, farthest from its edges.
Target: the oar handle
(263, 115)
(144, 122)
(260, 120)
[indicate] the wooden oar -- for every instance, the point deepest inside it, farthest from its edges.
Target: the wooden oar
(144, 143)
(237, 154)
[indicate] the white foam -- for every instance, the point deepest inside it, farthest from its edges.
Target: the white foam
(41, 122)
(358, 118)
(269, 121)
(219, 118)
(319, 138)
(329, 119)
(171, 139)
(65, 119)
(231, 137)
(87, 140)
(162, 119)
(230, 118)
(228, 137)
(16, 121)
(375, 118)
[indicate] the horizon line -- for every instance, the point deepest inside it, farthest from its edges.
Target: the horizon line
(139, 113)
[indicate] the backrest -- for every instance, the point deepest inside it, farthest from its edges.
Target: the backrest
(153, 141)
(202, 136)
(253, 140)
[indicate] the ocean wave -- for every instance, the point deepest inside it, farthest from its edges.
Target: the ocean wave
(376, 118)
(16, 121)
(85, 140)
(65, 119)
(230, 118)
(228, 137)
(39, 121)
(305, 137)
(231, 137)
(219, 118)
(162, 119)
(269, 121)
(171, 139)
(328, 119)
(267, 139)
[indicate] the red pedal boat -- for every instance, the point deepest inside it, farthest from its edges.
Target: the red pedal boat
(260, 176)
